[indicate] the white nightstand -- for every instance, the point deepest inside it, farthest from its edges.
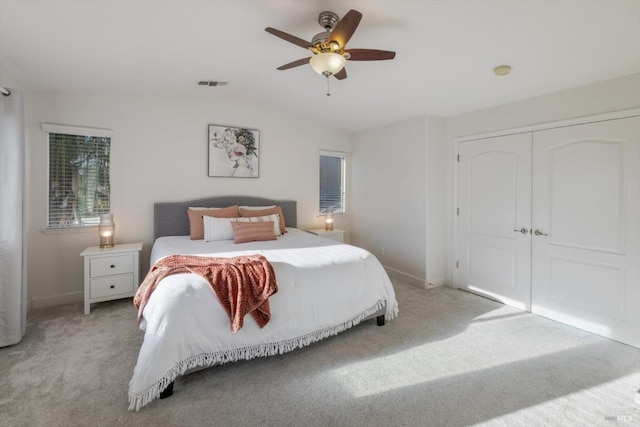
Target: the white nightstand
(110, 273)
(335, 234)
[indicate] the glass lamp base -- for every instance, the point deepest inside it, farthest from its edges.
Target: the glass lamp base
(106, 242)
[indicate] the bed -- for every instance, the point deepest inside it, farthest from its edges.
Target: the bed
(324, 288)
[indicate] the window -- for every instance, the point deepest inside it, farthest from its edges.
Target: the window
(332, 181)
(79, 168)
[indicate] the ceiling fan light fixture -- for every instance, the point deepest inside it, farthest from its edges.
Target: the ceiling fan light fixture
(327, 63)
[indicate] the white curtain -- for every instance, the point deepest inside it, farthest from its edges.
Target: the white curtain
(13, 292)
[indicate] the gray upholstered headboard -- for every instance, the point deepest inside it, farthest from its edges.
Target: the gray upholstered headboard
(170, 218)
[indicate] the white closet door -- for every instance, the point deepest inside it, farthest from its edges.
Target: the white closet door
(494, 194)
(586, 204)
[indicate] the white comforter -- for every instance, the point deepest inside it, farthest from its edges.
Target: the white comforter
(324, 287)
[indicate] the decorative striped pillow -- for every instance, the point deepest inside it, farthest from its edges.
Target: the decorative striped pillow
(252, 231)
(262, 218)
(220, 228)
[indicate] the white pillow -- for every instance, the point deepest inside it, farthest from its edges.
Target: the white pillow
(220, 228)
(217, 229)
(257, 208)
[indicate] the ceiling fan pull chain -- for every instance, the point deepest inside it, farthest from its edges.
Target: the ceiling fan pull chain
(328, 88)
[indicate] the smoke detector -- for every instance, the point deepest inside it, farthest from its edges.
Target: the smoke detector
(502, 70)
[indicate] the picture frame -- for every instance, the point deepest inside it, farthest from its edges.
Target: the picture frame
(234, 152)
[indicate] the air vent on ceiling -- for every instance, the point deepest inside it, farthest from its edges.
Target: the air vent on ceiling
(212, 83)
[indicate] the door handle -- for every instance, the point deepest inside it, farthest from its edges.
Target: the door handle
(522, 230)
(539, 233)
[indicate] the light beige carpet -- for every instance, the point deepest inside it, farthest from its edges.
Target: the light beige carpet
(449, 359)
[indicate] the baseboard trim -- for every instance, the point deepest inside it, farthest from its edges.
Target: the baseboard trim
(55, 300)
(436, 282)
(406, 277)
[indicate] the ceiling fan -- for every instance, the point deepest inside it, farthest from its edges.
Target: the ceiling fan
(329, 47)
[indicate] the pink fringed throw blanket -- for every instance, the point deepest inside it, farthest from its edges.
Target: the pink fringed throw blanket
(243, 284)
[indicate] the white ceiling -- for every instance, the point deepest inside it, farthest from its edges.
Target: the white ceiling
(446, 51)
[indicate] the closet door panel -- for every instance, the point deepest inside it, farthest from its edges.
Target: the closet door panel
(586, 208)
(494, 204)
(585, 194)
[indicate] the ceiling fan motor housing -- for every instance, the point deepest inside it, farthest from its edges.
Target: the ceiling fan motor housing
(328, 20)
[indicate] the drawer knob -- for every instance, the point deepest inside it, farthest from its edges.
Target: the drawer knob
(112, 286)
(113, 266)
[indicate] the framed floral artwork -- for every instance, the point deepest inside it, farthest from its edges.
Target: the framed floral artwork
(233, 152)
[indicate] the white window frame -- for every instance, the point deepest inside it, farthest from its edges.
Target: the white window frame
(344, 156)
(50, 128)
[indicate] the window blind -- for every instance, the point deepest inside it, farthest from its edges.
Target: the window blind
(332, 182)
(79, 180)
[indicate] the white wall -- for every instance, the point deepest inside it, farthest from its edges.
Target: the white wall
(159, 153)
(9, 78)
(436, 208)
(388, 188)
(603, 97)
(398, 197)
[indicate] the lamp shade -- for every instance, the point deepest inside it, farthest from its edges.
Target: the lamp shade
(106, 230)
(327, 63)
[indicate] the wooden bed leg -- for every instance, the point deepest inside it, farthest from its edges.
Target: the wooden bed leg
(167, 391)
(380, 320)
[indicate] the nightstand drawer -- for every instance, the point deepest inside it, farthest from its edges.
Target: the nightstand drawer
(108, 266)
(114, 285)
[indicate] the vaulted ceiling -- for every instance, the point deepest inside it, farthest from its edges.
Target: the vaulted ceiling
(446, 51)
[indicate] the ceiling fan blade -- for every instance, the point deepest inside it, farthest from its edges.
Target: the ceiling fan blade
(297, 63)
(345, 28)
(288, 37)
(370, 54)
(341, 75)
